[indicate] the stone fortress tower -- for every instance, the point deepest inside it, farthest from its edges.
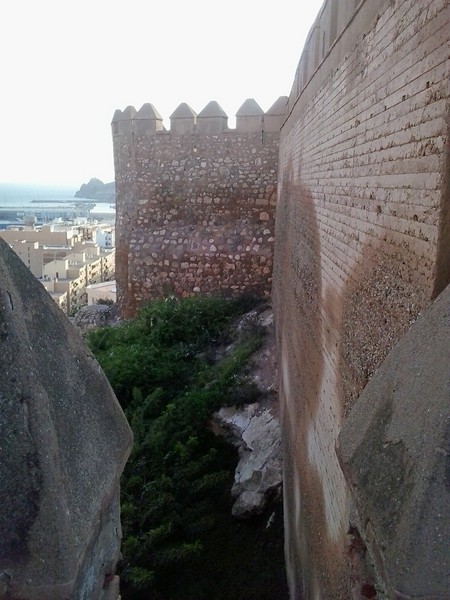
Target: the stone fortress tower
(196, 204)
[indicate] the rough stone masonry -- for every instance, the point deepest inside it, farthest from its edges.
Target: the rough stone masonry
(195, 205)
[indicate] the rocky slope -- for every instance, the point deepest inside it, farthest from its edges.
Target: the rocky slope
(255, 429)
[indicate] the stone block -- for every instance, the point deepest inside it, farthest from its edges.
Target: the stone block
(394, 449)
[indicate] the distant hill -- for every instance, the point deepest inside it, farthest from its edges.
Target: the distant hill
(97, 190)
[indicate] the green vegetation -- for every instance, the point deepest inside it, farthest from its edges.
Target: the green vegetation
(171, 367)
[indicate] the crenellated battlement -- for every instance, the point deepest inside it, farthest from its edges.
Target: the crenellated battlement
(195, 204)
(333, 35)
(212, 119)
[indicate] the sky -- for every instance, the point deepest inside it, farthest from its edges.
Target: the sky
(67, 65)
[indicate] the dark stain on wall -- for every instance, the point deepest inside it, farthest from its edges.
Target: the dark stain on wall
(299, 328)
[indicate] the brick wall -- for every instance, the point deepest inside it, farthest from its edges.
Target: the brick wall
(362, 239)
(195, 209)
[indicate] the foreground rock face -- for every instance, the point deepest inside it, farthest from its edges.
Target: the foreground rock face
(394, 449)
(64, 442)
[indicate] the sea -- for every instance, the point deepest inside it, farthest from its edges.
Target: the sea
(21, 195)
(46, 202)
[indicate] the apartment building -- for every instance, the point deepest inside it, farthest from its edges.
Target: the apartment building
(47, 235)
(30, 253)
(74, 273)
(104, 236)
(97, 292)
(58, 293)
(66, 260)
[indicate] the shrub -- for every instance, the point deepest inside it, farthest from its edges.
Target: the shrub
(169, 370)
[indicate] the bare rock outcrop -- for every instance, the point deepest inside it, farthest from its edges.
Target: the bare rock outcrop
(63, 444)
(95, 189)
(95, 315)
(255, 428)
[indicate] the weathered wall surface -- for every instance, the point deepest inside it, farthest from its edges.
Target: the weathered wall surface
(195, 206)
(394, 450)
(362, 243)
(64, 442)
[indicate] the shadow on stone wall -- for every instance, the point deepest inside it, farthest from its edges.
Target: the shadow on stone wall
(315, 560)
(381, 299)
(330, 341)
(443, 254)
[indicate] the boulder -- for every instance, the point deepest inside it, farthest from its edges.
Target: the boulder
(255, 431)
(95, 315)
(255, 428)
(63, 444)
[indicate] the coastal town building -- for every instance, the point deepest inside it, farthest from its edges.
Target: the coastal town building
(65, 258)
(104, 292)
(58, 292)
(104, 236)
(31, 253)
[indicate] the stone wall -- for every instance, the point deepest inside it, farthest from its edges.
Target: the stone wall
(195, 206)
(362, 238)
(394, 450)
